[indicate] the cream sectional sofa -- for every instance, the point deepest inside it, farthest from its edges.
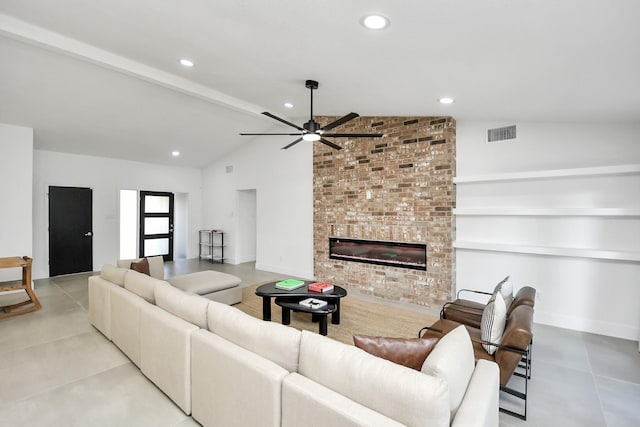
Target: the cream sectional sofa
(227, 368)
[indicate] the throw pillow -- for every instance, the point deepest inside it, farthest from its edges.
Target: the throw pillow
(506, 289)
(141, 266)
(453, 360)
(494, 318)
(409, 352)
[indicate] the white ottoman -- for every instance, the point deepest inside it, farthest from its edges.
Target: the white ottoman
(216, 286)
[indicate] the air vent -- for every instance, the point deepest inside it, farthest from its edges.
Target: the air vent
(506, 133)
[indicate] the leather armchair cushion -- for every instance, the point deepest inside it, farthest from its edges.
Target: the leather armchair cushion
(409, 352)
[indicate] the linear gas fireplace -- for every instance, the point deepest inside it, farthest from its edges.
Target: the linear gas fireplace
(395, 254)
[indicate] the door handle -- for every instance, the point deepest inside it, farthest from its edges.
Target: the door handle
(88, 234)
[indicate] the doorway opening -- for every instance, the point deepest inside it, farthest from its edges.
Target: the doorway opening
(156, 225)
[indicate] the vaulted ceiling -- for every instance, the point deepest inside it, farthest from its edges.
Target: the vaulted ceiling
(103, 78)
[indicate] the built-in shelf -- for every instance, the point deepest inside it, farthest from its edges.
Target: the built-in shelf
(549, 250)
(510, 211)
(555, 173)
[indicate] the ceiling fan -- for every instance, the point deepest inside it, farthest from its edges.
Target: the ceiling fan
(312, 131)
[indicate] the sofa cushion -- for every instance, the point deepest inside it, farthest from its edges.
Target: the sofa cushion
(142, 285)
(165, 353)
(400, 393)
(141, 266)
(113, 274)
(189, 307)
(205, 282)
(409, 352)
(307, 403)
(494, 318)
(453, 361)
(156, 265)
(233, 386)
(281, 347)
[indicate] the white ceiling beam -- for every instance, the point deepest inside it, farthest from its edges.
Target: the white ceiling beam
(31, 34)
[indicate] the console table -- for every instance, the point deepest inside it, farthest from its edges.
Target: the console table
(24, 284)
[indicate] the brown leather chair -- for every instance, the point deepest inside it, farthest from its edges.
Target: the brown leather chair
(514, 348)
(469, 312)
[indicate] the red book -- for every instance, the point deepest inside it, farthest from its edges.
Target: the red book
(320, 287)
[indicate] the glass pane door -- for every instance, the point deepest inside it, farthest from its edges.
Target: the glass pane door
(156, 224)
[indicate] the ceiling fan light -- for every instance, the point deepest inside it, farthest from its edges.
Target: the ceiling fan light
(311, 137)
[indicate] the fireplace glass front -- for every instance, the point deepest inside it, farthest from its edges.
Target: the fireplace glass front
(395, 254)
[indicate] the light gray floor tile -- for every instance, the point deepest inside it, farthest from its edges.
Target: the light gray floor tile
(557, 391)
(73, 283)
(620, 402)
(121, 396)
(188, 422)
(613, 357)
(559, 346)
(42, 326)
(28, 371)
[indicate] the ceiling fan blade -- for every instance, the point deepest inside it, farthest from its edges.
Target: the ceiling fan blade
(287, 134)
(330, 144)
(340, 121)
(354, 135)
(282, 120)
(292, 144)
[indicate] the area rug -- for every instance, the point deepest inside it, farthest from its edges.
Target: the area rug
(358, 316)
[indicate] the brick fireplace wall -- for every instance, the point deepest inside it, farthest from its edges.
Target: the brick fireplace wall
(395, 188)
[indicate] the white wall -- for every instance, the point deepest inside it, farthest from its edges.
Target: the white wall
(246, 221)
(16, 177)
(106, 177)
(594, 295)
(283, 180)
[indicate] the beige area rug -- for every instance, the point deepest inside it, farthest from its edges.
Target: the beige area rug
(358, 316)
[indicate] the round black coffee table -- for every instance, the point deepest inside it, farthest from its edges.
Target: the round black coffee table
(289, 304)
(269, 290)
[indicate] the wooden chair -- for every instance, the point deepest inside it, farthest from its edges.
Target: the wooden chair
(25, 284)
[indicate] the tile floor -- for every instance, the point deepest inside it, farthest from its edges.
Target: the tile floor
(57, 370)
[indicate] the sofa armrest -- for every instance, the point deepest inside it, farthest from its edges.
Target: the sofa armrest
(480, 406)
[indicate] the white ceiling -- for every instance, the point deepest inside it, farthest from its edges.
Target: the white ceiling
(102, 78)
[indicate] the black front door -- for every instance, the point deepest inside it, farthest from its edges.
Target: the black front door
(156, 224)
(70, 230)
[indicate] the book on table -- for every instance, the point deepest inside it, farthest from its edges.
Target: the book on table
(320, 287)
(313, 303)
(290, 284)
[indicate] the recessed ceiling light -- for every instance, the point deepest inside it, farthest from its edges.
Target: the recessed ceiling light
(375, 22)
(288, 105)
(186, 62)
(175, 153)
(445, 100)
